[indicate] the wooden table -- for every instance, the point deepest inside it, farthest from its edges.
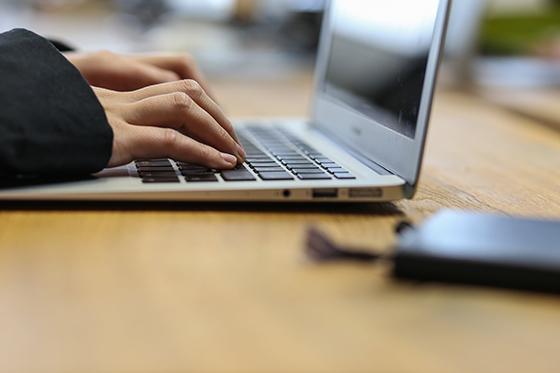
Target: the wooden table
(226, 288)
(541, 105)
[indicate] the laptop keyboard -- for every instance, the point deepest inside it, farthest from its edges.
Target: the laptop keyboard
(274, 156)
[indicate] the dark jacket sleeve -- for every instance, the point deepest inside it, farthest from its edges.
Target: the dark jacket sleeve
(51, 122)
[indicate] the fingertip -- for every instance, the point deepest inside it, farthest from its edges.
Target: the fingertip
(229, 160)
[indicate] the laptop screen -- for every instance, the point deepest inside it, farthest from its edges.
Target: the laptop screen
(378, 58)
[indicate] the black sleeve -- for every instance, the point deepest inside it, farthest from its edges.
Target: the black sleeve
(51, 122)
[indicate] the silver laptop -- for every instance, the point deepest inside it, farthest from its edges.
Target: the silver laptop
(364, 142)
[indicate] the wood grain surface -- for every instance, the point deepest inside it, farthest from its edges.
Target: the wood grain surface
(540, 105)
(225, 288)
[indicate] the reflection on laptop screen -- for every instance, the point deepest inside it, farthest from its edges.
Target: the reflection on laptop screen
(378, 58)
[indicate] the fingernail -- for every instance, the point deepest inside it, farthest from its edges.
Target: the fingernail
(230, 159)
(241, 151)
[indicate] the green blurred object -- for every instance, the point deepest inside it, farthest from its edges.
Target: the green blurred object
(519, 34)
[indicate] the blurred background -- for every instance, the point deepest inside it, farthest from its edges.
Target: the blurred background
(494, 46)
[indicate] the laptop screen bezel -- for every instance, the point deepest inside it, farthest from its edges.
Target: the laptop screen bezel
(394, 151)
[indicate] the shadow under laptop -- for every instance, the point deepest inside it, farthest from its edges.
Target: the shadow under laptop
(380, 209)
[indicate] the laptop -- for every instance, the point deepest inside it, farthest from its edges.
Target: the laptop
(364, 142)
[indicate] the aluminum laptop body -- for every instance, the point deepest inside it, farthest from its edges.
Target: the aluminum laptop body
(375, 79)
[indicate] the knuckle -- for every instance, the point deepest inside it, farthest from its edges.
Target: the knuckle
(192, 88)
(181, 100)
(169, 138)
(189, 84)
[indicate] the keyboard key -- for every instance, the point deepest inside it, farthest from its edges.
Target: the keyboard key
(197, 172)
(293, 153)
(295, 162)
(302, 166)
(344, 176)
(155, 169)
(193, 168)
(157, 175)
(264, 164)
(309, 166)
(322, 176)
(268, 169)
(332, 170)
(286, 154)
(161, 180)
(292, 158)
(259, 159)
(328, 164)
(275, 176)
(201, 171)
(203, 178)
(196, 169)
(251, 154)
(270, 160)
(307, 171)
(314, 155)
(238, 174)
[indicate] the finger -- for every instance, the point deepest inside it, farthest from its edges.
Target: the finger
(147, 75)
(154, 142)
(197, 93)
(109, 98)
(182, 65)
(180, 112)
(103, 95)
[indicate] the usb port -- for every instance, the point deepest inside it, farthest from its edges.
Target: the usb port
(325, 193)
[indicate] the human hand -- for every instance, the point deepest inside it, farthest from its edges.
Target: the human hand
(120, 72)
(176, 120)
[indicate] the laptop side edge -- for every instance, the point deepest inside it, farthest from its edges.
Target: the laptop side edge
(406, 157)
